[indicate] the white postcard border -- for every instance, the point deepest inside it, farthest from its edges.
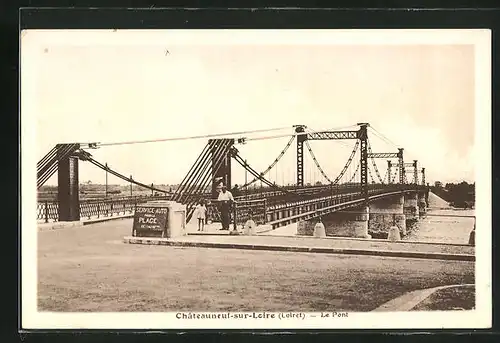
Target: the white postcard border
(32, 40)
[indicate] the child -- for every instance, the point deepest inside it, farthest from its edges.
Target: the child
(201, 214)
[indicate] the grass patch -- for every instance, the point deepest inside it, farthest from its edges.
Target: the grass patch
(449, 299)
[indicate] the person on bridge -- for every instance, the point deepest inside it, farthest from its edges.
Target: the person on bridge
(201, 211)
(226, 199)
(218, 184)
(235, 191)
(209, 211)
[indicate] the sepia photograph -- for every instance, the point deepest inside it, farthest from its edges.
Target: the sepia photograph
(256, 179)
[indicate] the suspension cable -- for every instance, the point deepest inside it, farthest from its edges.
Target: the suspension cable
(203, 175)
(263, 180)
(385, 177)
(337, 179)
(317, 163)
(47, 157)
(220, 135)
(191, 199)
(382, 137)
(373, 162)
(245, 165)
(123, 177)
(355, 172)
(240, 160)
(272, 164)
(310, 129)
(191, 171)
(396, 170)
(297, 134)
(349, 161)
(370, 174)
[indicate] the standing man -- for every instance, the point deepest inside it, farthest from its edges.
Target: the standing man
(235, 191)
(218, 184)
(225, 198)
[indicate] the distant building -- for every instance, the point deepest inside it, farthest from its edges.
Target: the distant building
(438, 184)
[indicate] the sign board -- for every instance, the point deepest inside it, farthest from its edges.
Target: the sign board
(150, 221)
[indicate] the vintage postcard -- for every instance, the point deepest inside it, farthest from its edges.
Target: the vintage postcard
(256, 179)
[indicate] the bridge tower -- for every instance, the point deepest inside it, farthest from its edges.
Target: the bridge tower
(361, 135)
(415, 172)
(423, 176)
(363, 163)
(401, 166)
(68, 195)
(221, 169)
(301, 138)
(389, 172)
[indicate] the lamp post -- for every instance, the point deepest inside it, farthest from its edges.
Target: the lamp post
(130, 185)
(106, 186)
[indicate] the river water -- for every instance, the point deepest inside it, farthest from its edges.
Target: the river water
(438, 226)
(443, 226)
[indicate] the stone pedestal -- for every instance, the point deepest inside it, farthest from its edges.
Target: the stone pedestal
(166, 219)
(249, 228)
(319, 230)
(361, 223)
(177, 219)
(400, 222)
(394, 234)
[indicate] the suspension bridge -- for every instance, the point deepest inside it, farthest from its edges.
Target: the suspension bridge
(358, 191)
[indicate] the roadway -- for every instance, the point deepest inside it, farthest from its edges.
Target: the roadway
(90, 269)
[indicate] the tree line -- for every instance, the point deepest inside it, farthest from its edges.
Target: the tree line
(460, 195)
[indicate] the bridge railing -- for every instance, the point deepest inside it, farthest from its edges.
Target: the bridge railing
(280, 211)
(251, 209)
(49, 210)
(242, 210)
(275, 198)
(254, 204)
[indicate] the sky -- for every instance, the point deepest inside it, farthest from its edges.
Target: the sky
(419, 96)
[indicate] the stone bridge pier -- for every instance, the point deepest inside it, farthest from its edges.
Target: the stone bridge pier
(411, 209)
(422, 204)
(387, 212)
(348, 223)
(372, 221)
